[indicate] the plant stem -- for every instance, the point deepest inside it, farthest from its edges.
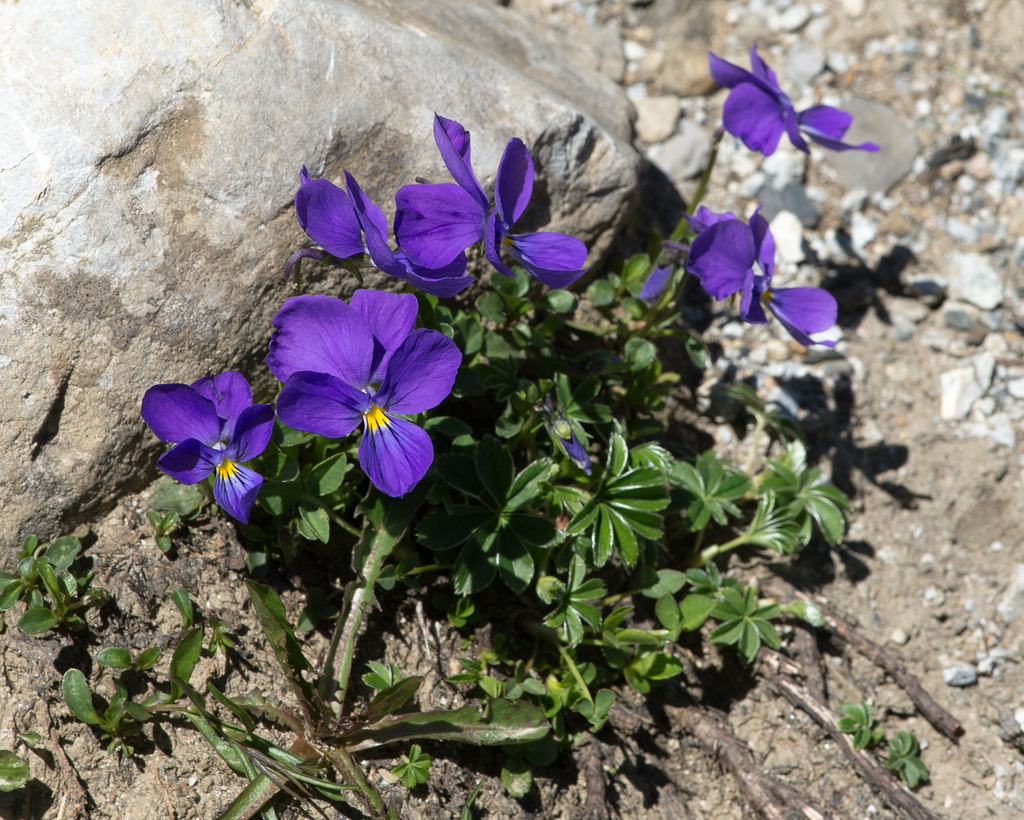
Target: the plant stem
(708, 554)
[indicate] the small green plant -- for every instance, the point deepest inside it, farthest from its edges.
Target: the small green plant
(414, 769)
(903, 759)
(14, 772)
(54, 587)
(856, 720)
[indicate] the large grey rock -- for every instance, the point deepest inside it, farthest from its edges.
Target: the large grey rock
(149, 155)
(878, 123)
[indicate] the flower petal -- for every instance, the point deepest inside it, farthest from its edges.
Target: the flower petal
(554, 258)
(421, 373)
(391, 317)
(323, 334)
(435, 223)
(493, 237)
(827, 126)
(442, 282)
(176, 412)
(514, 183)
(726, 74)
(326, 214)
(252, 433)
(755, 116)
(722, 257)
(655, 283)
(395, 454)
(319, 403)
(235, 489)
(375, 227)
(764, 242)
(759, 68)
(704, 218)
(230, 394)
(190, 462)
(803, 311)
(453, 143)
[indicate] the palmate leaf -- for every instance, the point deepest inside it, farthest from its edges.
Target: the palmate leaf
(713, 487)
(497, 534)
(801, 491)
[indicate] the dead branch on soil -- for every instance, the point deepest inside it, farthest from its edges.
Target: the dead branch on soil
(841, 628)
(75, 798)
(588, 758)
(770, 798)
(778, 671)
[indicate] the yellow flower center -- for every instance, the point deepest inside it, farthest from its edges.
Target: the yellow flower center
(226, 469)
(375, 417)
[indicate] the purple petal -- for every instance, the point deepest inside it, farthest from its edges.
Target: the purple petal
(759, 68)
(190, 462)
(230, 394)
(494, 237)
(803, 311)
(391, 317)
(751, 309)
(793, 131)
(435, 223)
(252, 433)
(176, 412)
(514, 183)
(704, 218)
(421, 373)
(755, 116)
(395, 454)
(722, 256)
(443, 282)
(235, 489)
(577, 452)
(453, 143)
(553, 258)
(827, 126)
(371, 218)
(326, 214)
(655, 284)
(319, 403)
(726, 74)
(764, 242)
(323, 334)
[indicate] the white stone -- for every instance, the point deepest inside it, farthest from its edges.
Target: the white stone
(974, 280)
(960, 675)
(789, 237)
(785, 166)
(862, 231)
(1011, 602)
(960, 390)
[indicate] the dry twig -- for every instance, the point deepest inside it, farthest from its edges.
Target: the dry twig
(777, 670)
(769, 797)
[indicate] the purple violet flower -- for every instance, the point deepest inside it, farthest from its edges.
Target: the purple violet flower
(338, 220)
(655, 283)
(215, 427)
(435, 222)
(346, 364)
(726, 256)
(758, 111)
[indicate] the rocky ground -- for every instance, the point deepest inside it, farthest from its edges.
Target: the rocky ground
(917, 413)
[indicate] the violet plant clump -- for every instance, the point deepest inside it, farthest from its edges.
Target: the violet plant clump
(514, 455)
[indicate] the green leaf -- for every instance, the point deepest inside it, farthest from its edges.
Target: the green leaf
(14, 772)
(503, 722)
(393, 698)
(10, 595)
(601, 292)
(251, 799)
(316, 519)
(277, 497)
(186, 653)
(558, 301)
(183, 602)
(328, 475)
(61, 552)
(695, 609)
(148, 658)
(443, 530)
(495, 468)
(114, 657)
(38, 619)
(78, 697)
(668, 612)
(170, 496)
(516, 777)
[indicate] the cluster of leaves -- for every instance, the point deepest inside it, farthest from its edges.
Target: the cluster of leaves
(904, 749)
(54, 586)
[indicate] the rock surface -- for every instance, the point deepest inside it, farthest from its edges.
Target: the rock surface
(147, 193)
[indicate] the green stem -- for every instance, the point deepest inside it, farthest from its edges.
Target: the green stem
(575, 673)
(708, 554)
(352, 774)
